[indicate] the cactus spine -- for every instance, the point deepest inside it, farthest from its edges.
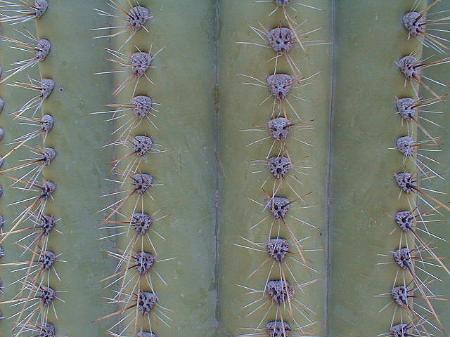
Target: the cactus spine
(253, 209)
(239, 168)
(181, 162)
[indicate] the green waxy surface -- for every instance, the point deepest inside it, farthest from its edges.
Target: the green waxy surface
(441, 228)
(240, 109)
(78, 168)
(207, 188)
(81, 162)
(12, 253)
(183, 84)
(369, 39)
(185, 169)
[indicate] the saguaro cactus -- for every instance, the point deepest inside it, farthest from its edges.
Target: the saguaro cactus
(224, 168)
(74, 171)
(290, 96)
(365, 150)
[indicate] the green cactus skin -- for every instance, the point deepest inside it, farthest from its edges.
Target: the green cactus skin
(14, 98)
(183, 77)
(81, 92)
(442, 228)
(77, 168)
(204, 174)
(239, 110)
(364, 197)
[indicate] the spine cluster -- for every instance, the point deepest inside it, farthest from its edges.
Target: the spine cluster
(278, 308)
(32, 227)
(412, 294)
(128, 218)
